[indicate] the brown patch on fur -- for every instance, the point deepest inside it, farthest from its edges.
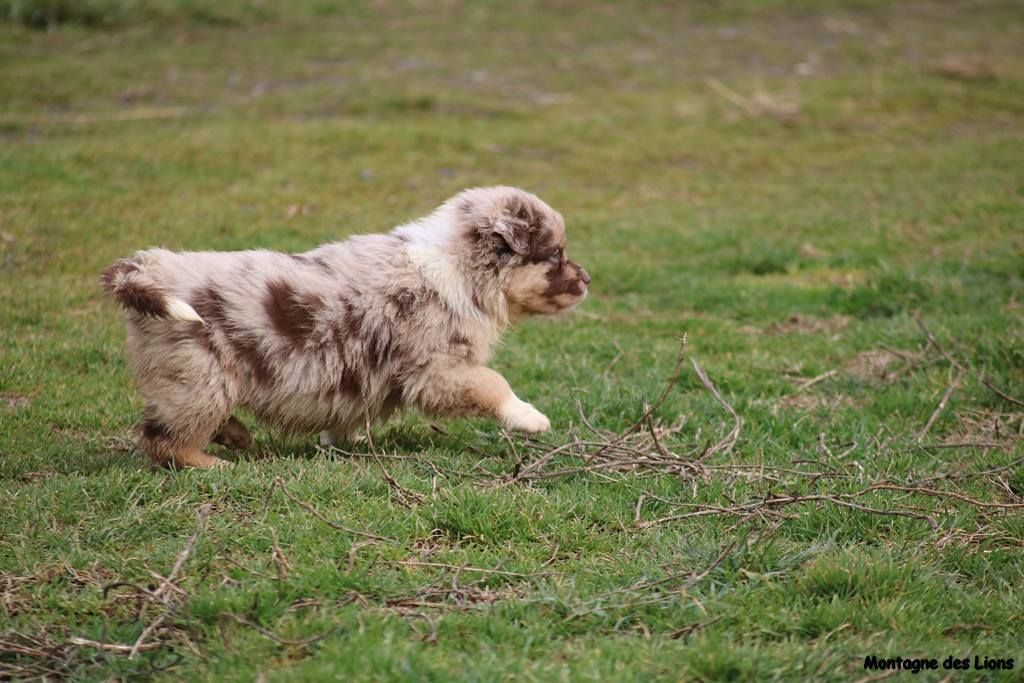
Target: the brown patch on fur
(233, 434)
(393, 400)
(544, 288)
(209, 304)
(375, 337)
(292, 314)
(211, 307)
(353, 317)
(203, 337)
(249, 351)
(525, 290)
(378, 347)
(569, 279)
(543, 246)
(110, 273)
(403, 301)
(155, 430)
(350, 384)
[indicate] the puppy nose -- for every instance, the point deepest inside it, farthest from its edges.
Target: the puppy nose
(584, 276)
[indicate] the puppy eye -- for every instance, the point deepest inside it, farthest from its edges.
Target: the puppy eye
(556, 257)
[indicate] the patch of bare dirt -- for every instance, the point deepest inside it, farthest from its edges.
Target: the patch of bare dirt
(13, 596)
(16, 591)
(966, 68)
(14, 401)
(813, 402)
(977, 425)
(802, 324)
(434, 541)
(882, 365)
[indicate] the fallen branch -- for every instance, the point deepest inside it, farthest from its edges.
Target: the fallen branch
(944, 494)
(769, 505)
(692, 579)
(120, 648)
(942, 405)
(693, 628)
(640, 447)
(160, 594)
(956, 364)
(726, 444)
(401, 493)
(1001, 394)
(267, 633)
(673, 378)
(807, 384)
(463, 568)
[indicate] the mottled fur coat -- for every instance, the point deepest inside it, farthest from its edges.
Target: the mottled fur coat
(345, 334)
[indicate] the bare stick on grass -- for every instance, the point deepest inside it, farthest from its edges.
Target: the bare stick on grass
(726, 444)
(168, 584)
(267, 633)
(319, 515)
(955, 363)
(673, 378)
(942, 405)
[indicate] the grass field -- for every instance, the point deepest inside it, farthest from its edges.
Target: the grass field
(805, 190)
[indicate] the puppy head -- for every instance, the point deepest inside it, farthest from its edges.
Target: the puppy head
(522, 240)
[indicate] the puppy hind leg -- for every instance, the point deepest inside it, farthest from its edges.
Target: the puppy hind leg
(177, 443)
(330, 437)
(233, 434)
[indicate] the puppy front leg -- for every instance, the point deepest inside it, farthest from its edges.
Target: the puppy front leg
(474, 391)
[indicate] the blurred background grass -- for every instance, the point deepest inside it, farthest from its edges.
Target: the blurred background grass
(788, 183)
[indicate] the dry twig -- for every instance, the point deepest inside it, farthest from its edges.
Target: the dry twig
(267, 633)
(161, 593)
(942, 405)
(319, 515)
(640, 448)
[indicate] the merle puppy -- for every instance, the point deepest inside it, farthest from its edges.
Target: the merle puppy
(343, 334)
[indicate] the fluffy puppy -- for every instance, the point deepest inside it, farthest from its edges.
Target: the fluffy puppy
(343, 334)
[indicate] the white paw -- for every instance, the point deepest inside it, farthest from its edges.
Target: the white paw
(327, 438)
(520, 416)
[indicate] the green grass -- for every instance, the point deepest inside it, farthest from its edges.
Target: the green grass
(785, 245)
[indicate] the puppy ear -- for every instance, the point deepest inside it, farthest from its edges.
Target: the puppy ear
(514, 231)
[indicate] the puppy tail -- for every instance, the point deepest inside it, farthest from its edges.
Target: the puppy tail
(129, 283)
